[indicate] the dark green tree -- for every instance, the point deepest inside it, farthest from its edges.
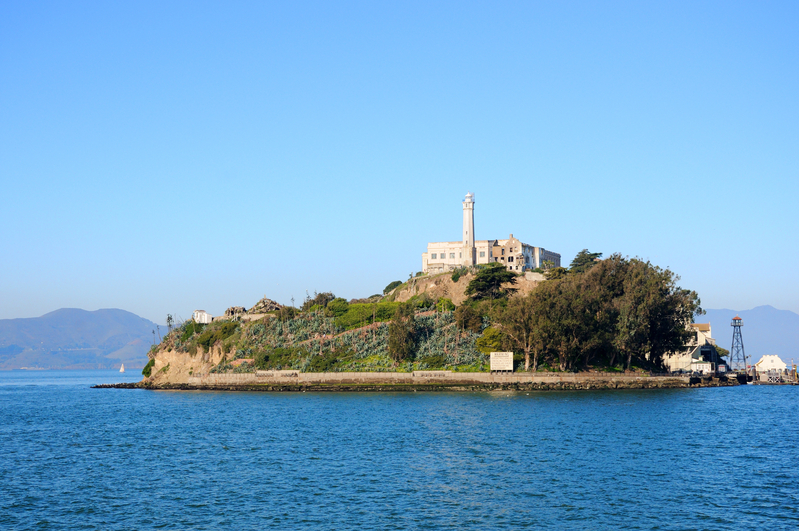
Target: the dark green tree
(556, 273)
(517, 322)
(466, 318)
(401, 333)
(584, 261)
(487, 283)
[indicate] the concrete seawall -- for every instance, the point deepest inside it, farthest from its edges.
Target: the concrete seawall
(277, 381)
(417, 378)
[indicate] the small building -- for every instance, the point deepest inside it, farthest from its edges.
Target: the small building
(699, 355)
(202, 317)
(770, 362)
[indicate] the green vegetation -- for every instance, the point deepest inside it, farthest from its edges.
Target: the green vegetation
(362, 314)
(723, 352)
(613, 314)
(458, 273)
(319, 301)
(487, 283)
(217, 333)
(618, 311)
(148, 369)
(584, 261)
(391, 286)
(401, 333)
(189, 329)
(492, 340)
(337, 308)
(444, 305)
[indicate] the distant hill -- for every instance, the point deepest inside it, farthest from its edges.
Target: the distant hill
(766, 330)
(71, 338)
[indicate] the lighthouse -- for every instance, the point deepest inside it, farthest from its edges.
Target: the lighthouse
(468, 255)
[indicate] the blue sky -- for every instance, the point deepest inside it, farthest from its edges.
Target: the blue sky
(162, 157)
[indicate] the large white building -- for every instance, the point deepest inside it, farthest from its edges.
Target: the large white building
(512, 253)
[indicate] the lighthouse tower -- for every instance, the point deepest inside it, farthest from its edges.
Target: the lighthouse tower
(468, 254)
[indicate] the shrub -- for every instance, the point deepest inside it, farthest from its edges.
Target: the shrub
(433, 362)
(189, 329)
(458, 273)
(278, 358)
(148, 369)
(391, 286)
(330, 360)
(209, 338)
(491, 341)
(337, 307)
(360, 314)
(444, 305)
(319, 299)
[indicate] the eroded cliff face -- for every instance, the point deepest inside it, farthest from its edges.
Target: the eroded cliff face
(174, 367)
(441, 285)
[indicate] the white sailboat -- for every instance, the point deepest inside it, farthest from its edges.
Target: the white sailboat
(122, 368)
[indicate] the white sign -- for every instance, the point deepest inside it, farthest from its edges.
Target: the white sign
(502, 361)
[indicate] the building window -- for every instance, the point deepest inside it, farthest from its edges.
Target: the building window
(510, 259)
(460, 255)
(503, 251)
(452, 255)
(482, 254)
(434, 256)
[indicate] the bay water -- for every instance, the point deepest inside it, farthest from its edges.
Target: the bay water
(72, 457)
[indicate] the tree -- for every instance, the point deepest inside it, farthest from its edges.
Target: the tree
(653, 314)
(319, 299)
(584, 261)
(487, 284)
(391, 286)
(556, 273)
(468, 319)
(401, 333)
(722, 352)
(517, 321)
(492, 340)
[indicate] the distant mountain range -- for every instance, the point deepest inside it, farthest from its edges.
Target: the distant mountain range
(766, 330)
(70, 338)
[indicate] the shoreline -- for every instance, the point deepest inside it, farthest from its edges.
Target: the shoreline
(293, 381)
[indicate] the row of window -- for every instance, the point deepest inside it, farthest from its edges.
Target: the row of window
(435, 256)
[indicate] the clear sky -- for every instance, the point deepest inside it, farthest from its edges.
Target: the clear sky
(162, 157)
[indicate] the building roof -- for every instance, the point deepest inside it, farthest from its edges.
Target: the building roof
(771, 360)
(702, 327)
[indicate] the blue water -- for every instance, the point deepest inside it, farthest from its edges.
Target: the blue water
(74, 457)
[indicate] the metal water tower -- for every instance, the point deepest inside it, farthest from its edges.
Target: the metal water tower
(737, 355)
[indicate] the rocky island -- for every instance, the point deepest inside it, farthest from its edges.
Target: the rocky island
(607, 325)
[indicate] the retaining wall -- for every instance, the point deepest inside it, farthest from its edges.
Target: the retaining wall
(417, 377)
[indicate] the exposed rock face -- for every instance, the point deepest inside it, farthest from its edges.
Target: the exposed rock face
(265, 305)
(235, 310)
(172, 366)
(441, 285)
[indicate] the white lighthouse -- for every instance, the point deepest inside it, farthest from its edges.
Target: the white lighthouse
(468, 230)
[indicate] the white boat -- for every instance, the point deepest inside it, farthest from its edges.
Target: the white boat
(122, 368)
